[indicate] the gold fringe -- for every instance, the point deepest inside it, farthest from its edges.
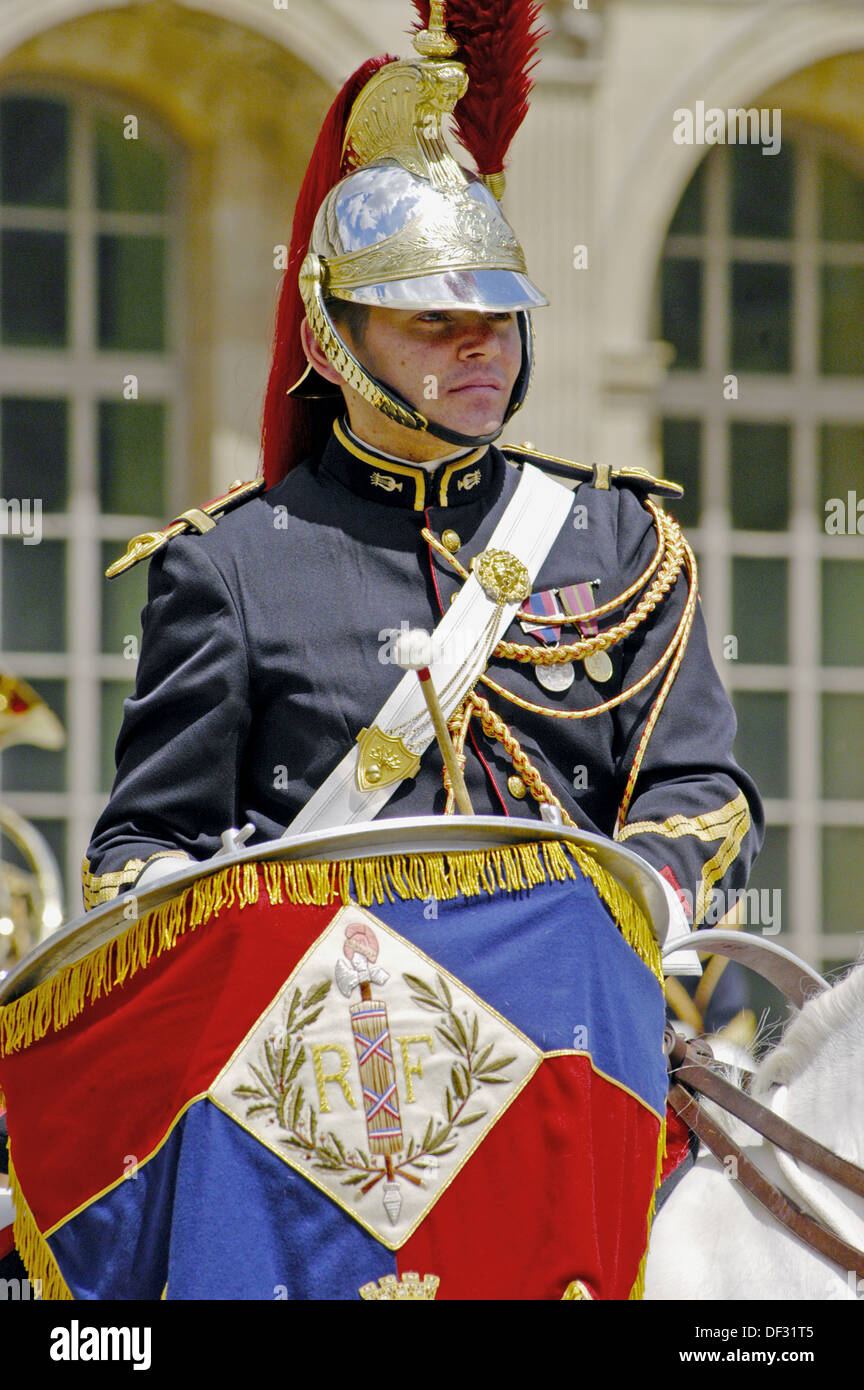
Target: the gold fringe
(56, 1002)
(638, 1289)
(34, 1249)
(632, 922)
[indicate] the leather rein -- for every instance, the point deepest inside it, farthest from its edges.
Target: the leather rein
(691, 1069)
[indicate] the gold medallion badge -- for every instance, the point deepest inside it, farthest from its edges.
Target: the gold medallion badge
(503, 578)
(383, 759)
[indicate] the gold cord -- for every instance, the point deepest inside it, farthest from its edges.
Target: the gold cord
(493, 725)
(671, 556)
(683, 629)
(676, 645)
(458, 726)
(552, 620)
(445, 553)
(673, 546)
(668, 561)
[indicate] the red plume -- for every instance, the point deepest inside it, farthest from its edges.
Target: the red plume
(292, 428)
(498, 44)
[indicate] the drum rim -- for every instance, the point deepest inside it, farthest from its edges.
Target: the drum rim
(423, 834)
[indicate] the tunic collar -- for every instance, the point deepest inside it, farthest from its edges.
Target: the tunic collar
(374, 476)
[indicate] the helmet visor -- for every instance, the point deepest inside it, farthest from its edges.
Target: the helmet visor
(488, 291)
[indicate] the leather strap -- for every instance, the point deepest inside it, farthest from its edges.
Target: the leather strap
(806, 1228)
(689, 1069)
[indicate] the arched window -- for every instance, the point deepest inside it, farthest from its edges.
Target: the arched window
(91, 381)
(762, 298)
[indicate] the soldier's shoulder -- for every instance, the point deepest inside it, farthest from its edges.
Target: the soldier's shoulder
(194, 521)
(600, 476)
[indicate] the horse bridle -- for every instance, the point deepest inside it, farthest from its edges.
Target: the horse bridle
(691, 1069)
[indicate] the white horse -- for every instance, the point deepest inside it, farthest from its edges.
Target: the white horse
(712, 1240)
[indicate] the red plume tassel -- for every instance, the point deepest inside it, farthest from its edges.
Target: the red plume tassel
(293, 428)
(498, 41)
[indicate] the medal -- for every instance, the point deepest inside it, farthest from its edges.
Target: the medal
(598, 665)
(542, 604)
(559, 676)
(556, 678)
(578, 599)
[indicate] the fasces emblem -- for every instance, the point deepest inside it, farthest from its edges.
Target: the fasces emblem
(375, 1074)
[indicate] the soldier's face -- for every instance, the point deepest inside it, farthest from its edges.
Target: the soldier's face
(457, 367)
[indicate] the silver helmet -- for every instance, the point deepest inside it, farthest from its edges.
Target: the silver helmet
(409, 229)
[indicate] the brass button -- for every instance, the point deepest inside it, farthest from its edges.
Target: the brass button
(516, 787)
(451, 541)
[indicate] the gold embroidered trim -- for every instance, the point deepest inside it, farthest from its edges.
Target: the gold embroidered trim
(417, 475)
(151, 541)
(101, 888)
(638, 1289)
(576, 1290)
(455, 467)
(56, 1002)
(729, 824)
(125, 1176)
(704, 827)
(34, 1249)
(637, 477)
(410, 1286)
(471, 1149)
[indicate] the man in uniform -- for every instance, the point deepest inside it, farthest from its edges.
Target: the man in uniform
(584, 690)
(270, 640)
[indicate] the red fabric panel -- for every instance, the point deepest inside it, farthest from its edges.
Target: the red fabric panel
(77, 1088)
(558, 1191)
(7, 1241)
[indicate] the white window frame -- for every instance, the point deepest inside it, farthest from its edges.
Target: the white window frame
(84, 375)
(804, 400)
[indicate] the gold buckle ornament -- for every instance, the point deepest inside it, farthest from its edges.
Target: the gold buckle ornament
(503, 578)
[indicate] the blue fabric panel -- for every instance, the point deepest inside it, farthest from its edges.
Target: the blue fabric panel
(216, 1215)
(246, 1226)
(116, 1247)
(552, 961)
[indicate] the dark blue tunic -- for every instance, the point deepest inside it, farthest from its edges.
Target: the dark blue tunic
(268, 645)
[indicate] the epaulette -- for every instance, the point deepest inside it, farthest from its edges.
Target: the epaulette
(198, 519)
(599, 475)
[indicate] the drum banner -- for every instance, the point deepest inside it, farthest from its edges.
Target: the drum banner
(413, 1076)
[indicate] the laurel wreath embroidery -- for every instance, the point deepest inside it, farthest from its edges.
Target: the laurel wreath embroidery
(280, 1092)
